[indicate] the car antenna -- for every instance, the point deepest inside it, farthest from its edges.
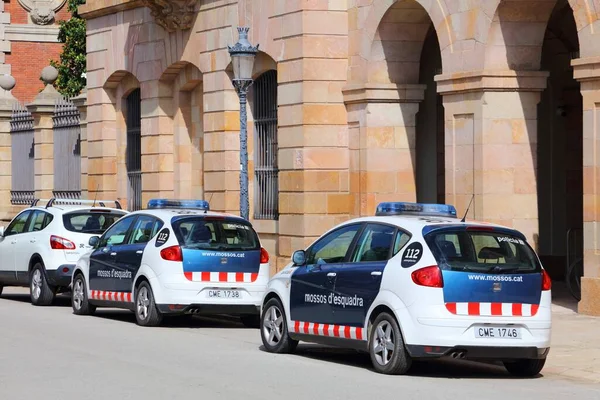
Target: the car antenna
(96, 195)
(211, 195)
(468, 207)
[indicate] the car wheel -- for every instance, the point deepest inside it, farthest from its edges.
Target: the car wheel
(146, 313)
(525, 368)
(41, 293)
(274, 329)
(386, 347)
(250, 321)
(79, 298)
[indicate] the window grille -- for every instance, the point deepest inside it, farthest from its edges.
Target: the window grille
(134, 150)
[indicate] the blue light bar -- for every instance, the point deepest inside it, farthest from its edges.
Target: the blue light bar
(185, 204)
(399, 208)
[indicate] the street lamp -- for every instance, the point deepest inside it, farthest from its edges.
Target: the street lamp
(242, 57)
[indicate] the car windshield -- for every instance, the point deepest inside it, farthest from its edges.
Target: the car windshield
(482, 251)
(215, 234)
(91, 221)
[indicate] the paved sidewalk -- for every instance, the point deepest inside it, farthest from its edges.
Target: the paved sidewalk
(575, 348)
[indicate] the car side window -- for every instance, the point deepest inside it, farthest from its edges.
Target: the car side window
(333, 247)
(18, 224)
(36, 222)
(375, 243)
(144, 229)
(117, 233)
(401, 239)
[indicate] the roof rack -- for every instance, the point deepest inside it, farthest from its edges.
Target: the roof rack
(76, 202)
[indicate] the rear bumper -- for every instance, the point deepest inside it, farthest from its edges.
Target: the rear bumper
(209, 309)
(60, 276)
(479, 352)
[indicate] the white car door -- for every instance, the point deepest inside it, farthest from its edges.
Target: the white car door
(8, 244)
(28, 243)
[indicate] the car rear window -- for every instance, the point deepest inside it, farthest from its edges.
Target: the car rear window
(215, 234)
(91, 222)
(482, 251)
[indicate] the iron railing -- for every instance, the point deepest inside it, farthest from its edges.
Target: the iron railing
(67, 149)
(22, 156)
(134, 151)
(266, 173)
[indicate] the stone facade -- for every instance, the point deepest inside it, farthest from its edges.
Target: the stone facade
(377, 100)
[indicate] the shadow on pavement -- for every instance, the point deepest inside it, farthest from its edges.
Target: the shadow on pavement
(562, 297)
(440, 368)
(184, 321)
(61, 300)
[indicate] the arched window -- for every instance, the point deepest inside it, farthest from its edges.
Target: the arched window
(266, 190)
(134, 150)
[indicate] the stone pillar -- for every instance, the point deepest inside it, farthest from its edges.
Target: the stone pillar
(491, 145)
(81, 104)
(42, 110)
(587, 72)
(7, 103)
(382, 119)
(157, 141)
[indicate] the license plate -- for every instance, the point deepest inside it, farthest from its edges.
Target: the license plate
(224, 294)
(497, 332)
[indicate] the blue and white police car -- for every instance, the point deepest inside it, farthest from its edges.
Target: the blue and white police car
(175, 257)
(415, 282)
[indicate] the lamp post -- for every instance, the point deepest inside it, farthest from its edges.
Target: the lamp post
(242, 57)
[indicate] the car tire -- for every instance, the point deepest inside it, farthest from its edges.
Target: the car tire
(40, 292)
(273, 312)
(525, 368)
(146, 312)
(251, 320)
(386, 337)
(79, 298)
(1, 289)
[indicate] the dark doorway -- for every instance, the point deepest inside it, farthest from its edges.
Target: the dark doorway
(430, 168)
(134, 150)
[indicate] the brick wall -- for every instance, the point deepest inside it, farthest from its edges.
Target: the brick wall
(27, 60)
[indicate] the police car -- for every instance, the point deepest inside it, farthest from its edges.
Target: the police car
(175, 257)
(415, 282)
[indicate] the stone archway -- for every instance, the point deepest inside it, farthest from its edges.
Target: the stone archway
(383, 101)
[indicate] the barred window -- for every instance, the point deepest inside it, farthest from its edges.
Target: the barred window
(266, 174)
(134, 150)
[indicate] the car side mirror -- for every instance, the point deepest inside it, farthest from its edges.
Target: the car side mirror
(299, 257)
(1, 231)
(94, 240)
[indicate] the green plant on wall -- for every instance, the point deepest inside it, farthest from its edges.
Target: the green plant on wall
(72, 64)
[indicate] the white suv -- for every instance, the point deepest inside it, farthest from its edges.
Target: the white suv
(41, 245)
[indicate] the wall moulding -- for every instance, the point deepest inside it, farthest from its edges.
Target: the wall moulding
(173, 15)
(42, 12)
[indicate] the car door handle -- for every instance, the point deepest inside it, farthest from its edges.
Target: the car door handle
(139, 252)
(376, 273)
(113, 254)
(331, 274)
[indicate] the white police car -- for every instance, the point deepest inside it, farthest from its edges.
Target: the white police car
(415, 282)
(176, 257)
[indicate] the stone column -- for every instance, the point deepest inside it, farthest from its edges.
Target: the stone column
(81, 104)
(42, 110)
(7, 103)
(382, 119)
(491, 145)
(587, 72)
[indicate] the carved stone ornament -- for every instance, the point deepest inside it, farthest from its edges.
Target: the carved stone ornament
(173, 14)
(42, 12)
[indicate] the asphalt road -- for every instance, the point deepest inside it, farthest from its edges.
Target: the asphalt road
(49, 353)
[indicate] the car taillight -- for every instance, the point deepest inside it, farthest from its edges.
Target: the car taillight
(172, 253)
(264, 256)
(60, 243)
(428, 276)
(546, 281)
